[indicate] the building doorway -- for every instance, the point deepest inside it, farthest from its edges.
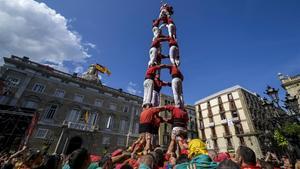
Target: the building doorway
(75, 143)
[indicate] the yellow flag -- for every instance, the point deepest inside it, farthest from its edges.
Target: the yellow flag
(102, 69)
(86, 117)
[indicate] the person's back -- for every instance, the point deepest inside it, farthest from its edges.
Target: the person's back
(246, 158)
(228, 164)
(79, 159)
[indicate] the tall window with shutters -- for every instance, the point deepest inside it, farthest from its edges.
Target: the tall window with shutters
(50, 111)
(38, 87)
(74, 115)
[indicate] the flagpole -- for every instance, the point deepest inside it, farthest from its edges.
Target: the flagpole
(59, 140)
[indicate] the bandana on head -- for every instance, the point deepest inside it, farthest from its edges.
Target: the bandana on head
(196, 147)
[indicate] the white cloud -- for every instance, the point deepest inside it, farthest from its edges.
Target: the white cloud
(32, 29)
(78, 69)
(91, 45)
(132, 84)
(131, 88)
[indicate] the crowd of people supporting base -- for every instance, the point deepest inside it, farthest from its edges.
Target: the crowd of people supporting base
(196, 156)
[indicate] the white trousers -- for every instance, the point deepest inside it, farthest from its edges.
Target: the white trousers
(172, 30)
(156, 32)
(148, 89)
(153, 55)
(174, 55)
(177, 92)
(155, 98)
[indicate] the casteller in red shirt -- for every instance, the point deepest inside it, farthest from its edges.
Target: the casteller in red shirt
(147, 115)
(167, 20)
(151, 71)
(158, 84)
(156, 42)
(155, 22)
(172, 41)
(175, 72)
(179, 117)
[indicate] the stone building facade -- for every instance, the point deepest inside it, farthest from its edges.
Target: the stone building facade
(73, 112)
(292, 85)
(230, 118)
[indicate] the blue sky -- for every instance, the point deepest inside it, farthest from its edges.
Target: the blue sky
(222, 43)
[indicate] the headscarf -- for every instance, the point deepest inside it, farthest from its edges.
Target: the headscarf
(196, 147)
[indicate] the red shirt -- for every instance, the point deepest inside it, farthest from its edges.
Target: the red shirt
(179, 116)
(151, 71)
(175, 72)
(155, 23)
(158, 84)
(172, 42)
(156, 121)
(147, 116)
(167, 20)
(156, 42)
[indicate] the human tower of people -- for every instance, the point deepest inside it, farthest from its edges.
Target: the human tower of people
(143, 153)
(150, 119)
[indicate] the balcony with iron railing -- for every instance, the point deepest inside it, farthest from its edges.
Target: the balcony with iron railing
(236, 119)
(80, 126)
(200, 114)
(221, 109)
(230, 147)
(232, 106)
(239, 133)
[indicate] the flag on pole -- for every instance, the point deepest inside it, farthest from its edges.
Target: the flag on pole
(31, 127)
(102, 69)
(86, 117)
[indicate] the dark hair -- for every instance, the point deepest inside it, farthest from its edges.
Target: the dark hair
(77, 158)
(7, 166)
(228, 164)
(182, 159)
(126, 166)
(266, 165)
(159, 156)
(52, 162)
(247, 155)
(106, 159)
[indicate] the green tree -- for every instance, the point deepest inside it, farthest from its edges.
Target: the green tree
(280, 139)
(291, 129)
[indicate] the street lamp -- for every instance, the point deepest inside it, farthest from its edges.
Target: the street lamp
(273, 94)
